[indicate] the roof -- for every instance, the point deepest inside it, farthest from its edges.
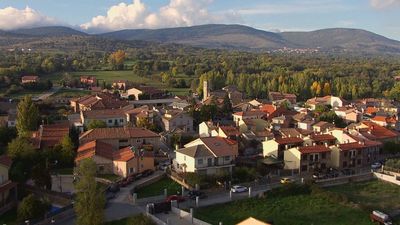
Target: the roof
(289, 140)
(387, 119)
(93, 148)
(313, 149)
(371, 110)
(250, 113)
(268, 108)
(220, 146)
(117, 133)
(103, 113)
(101, 101)
(252, 221)
(376, 131)
(196, 151)
(323, 123)
(50, 135)
(351, 146)
(323, 137)
(230, 130)
(149, 90)
(5, 160)
(126, 154)
(30, 77)
(290, 132)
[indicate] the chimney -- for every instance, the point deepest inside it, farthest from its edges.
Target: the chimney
(326, 144)
(314, 144)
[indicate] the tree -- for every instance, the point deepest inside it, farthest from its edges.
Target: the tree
(117, 59)
(31, 208)
(41, 176)
(20, 148)
(27, 116)
(96, 124)
(391, 147)
(327, 89)
(67, 151)
(227, 106)
(89, 201)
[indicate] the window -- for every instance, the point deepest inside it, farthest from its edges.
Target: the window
(304, 168)
(324, 155)
(323, 165)
(101, 168)
(304, 157)
(316, 157)
(345, 154)
(358, 161)
(344, 164)
(227, 158)
(131, 170)
(359, 152)
(121, 120)
(311, 157)
(200, 161)
(109, 121)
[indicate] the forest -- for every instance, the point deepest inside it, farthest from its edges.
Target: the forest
(256, 74)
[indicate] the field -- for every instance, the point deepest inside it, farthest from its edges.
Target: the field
(70, 93)
(296, 209)
(373, 195)
(158, 187)
(110, 76)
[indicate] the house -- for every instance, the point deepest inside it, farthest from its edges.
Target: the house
(121, 84)
(49, 135)
(354, 154)
(88, 80)
(207, 156)
(307, 158)
(129, 161)
(277, 146)
(322, 126)
(254, 114)
(208, 129)
(332, 101)
(306, 124)
(375, 132)
(120, 137)
(8, 189)
(277, 96)
(112, 117)
(254, 125)
(320, 139)
(29, 79)
(97, 101)
(387, 121)
(252, 221)
(8, 113)
(100, 152)
(133, 115)
(348, 114)
(145, 92)
(230, 132)
(175, 118)
(110, 160)
(280, 122)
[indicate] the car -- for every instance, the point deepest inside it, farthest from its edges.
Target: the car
(194, 194)
(376, 165)
(286, 180)
(239, 189)
(164, 166)
(177, 198)
(114, 188)
(147, 173)
(318, 176)
(332, 173)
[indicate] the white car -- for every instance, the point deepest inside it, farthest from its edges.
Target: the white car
(239, 189)
(376, 165)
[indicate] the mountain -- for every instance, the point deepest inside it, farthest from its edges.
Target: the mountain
(209, 36)
(218, 36)
(52, 31)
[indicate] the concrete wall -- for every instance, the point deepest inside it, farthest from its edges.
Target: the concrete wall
(387, 178)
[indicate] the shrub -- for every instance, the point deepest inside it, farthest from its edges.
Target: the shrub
(32, 207)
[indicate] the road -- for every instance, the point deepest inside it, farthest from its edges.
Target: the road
(47, 94)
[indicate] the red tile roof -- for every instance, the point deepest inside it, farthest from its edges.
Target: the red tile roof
(351, 146)
(323, 137)
(378, 132)
(50, 135)
(313, 149)
(118, 133)
(230, 130)
(93, 148)
(289, 140)
(126, 154)
(268, 108)
(220, 146)
(250, 113)
(371, 110)
(30, 77)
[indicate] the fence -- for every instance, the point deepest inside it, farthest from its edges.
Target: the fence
(187, 216)
(346, 179)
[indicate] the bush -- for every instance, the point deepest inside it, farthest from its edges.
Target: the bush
(328, 195)
(32, 207)
(289, 190)
(393, 163)
(244, 174)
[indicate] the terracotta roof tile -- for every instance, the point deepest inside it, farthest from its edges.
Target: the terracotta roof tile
(289, 140)
(117, 133)
(313, 149)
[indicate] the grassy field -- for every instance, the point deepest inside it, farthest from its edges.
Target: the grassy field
(297, 209)
(110, 76)
(70, 93)
(158, 187)
(372, 195)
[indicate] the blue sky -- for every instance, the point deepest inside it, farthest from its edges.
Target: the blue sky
(379, 16)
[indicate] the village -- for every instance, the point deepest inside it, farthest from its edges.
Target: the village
(207, 145)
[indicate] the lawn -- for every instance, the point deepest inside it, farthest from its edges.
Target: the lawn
(110, 177)
(372, 195)
(70, 93)
(135, 220)
(9, 218)
(158, 187)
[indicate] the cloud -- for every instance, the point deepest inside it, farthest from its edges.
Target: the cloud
(176, 13)
(13, 18)
(383, 4)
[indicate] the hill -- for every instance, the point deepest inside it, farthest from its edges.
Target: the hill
(215, 36)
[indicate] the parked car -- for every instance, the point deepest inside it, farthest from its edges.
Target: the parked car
(287, 180)
(319, 176)
(194, 194)
(147, 173)
(380, 217)
(164, 166)
(376, 165)
(177, 198)
(239, 189)
(114, 188)
(332, 172)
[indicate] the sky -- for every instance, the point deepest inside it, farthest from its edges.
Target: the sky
(96, 16)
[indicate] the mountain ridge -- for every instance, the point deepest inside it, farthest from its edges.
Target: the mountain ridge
(236, 37)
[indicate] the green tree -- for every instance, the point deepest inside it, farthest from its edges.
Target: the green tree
(27, 116)
(31, 208)
(89, 201)
(67, 151)
(20, 148)
(93, 124)
(227, 106)
(41, 176)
